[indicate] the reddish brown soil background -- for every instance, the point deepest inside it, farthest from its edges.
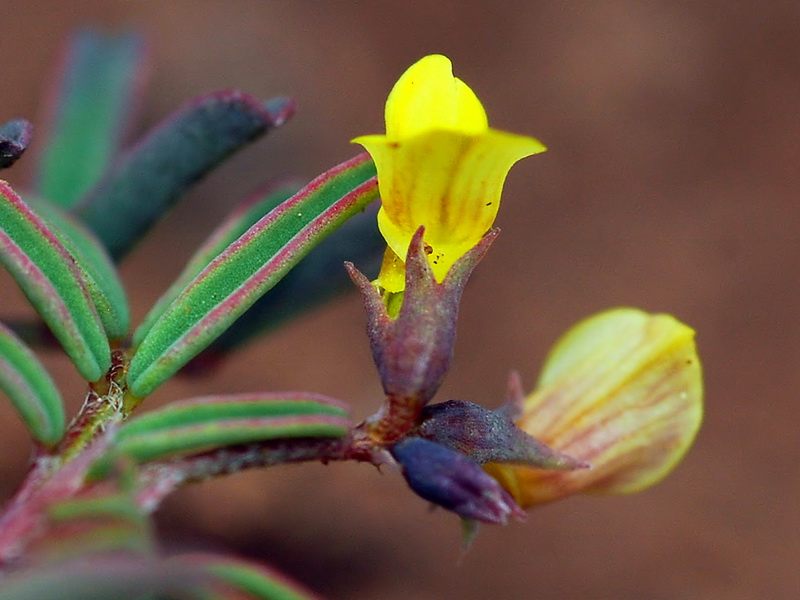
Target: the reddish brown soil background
(671, 184)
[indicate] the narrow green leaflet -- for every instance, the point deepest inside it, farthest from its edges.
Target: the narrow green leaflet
(99, 273)
(104, 578)
(96, 91)
(203, 424)
(49, 277)
(234, 579)
(246, 269)
(29, 387)
(147, 180)
(95, 524)
(240, 220)
(317, 278)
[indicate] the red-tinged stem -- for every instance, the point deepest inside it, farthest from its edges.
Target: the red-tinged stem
(161, 479)
(60, 474)
(104, 405)
(395, 419)
(49, 481)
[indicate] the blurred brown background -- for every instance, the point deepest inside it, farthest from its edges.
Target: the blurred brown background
(671, 184)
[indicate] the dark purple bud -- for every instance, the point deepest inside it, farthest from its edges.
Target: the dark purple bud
(488, 436)
(453, 481)
(14, 139)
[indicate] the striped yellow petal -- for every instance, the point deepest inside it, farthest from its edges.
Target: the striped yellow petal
(622, 390)
(439, 165)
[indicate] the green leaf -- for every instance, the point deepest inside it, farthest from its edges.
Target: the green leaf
(94, 96)
(147, 180)
(317, 278)
(203, 424)
(14, 139)
(104, 578)
(49, 277)
(29, 387)
(98, 272)
(246, 269)
(229, 578)
(239, 221)
(93, 525)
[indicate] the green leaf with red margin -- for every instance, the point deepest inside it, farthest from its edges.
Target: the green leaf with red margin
(14, 139)
(94, 524)
(99, 273)
(105, 578)
(31, 390)
(148, 179)
(238, 222)
(203, 424)
(246, 269)
(50, 278)
(96, 92)
(317, 278)
(235, 579)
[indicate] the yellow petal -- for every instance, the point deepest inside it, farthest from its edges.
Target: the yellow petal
(428, 97)
(392, 277)
(439, 165)
(622, 390)
(448, 182)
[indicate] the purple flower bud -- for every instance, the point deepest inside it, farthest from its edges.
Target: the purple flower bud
(454, 482)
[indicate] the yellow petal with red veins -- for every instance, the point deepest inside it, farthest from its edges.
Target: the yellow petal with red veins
(439, 166)
(622, 390)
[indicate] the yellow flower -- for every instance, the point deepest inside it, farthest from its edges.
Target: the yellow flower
(622, 390)
(439, 165)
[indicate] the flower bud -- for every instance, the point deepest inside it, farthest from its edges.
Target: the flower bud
(453, 481)
(623, 391)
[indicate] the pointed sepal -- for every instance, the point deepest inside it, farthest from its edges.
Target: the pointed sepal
(414, 348)
(489, 436)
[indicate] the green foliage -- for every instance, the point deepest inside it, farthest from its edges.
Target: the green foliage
(203, 424)
(246, 269)
(80, 522)
(93, 100)
(97, 271)
(81, 518)
(231, 578)
(50, 277)
(150, 177)
(30, 389)
(238, 222)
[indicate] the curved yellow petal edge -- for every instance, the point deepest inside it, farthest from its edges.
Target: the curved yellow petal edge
(622, 390)
(439, 165)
